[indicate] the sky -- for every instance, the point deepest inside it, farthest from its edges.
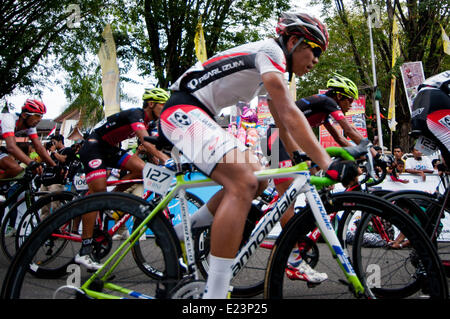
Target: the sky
(56, 101)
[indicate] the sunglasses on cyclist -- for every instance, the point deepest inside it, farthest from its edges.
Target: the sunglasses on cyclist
(350, 99)
(316, 49)
(34, 114)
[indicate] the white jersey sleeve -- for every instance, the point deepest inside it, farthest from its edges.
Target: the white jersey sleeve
(270, 58)
(8, 126)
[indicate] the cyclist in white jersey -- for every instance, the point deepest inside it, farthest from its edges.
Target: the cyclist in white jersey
(10, 125)
(239, 74)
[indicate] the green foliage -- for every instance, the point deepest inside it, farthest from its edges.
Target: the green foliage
(349, 51)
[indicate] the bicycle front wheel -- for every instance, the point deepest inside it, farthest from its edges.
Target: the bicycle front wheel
(413, 272)
(278, 285)
(32, 274)
(403, 274)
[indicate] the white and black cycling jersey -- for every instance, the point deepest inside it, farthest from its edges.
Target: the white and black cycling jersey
(8, 126)
(233, 75)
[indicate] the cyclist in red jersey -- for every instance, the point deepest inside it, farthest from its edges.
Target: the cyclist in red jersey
(101, 150)
(10, 124)
(240, 74)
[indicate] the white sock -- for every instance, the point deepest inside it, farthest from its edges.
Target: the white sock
(202, 217)
(219, 276)
(294, 257)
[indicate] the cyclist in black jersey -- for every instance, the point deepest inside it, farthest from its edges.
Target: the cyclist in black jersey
(318, 109)
(101, 151)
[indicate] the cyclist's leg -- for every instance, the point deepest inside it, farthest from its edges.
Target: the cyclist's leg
(133, 164)
(10, 167)
(95, 169)
(240, 186)
(219, 155)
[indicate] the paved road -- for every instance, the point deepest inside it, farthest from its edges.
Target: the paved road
(133, 276)
(128, 275)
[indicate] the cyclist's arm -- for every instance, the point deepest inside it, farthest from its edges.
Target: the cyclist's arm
(292, 119)
(353, 134)
(335, 134)
(40, 149)
(151, 149)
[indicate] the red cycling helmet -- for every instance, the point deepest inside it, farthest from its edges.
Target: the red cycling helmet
(303, 25)
(34, 106)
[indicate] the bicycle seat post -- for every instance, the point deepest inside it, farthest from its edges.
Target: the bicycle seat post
(177, 158)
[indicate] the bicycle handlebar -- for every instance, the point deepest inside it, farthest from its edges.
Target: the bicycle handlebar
(345, 154)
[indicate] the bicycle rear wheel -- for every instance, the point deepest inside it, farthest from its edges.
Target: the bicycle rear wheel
(143, 254)
(29, 277)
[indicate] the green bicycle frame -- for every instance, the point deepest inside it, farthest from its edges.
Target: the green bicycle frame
(303, 183)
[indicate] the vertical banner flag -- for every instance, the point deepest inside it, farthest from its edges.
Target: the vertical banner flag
(395, 53)
(293, 88)
(445, 41)
(110, 73)
(413, 76)
(200, 44)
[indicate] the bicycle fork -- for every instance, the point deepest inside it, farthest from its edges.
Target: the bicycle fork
(328, 233)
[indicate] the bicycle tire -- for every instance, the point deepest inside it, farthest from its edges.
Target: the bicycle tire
(25, 271)
(428, 207)
(276, 284)
(412, 272)
(346, 226)
(140, 253)
(32, 218)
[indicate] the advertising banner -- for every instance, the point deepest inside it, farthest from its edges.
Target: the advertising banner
(264, 116)
(412, 75)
